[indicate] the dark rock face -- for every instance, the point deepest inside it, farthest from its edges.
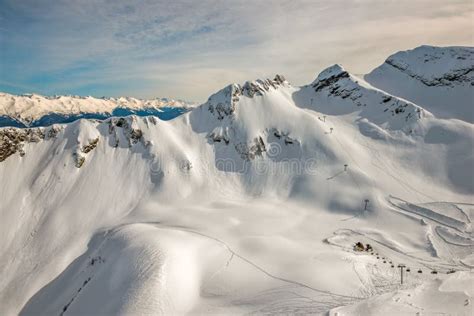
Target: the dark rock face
(78, 159)
(12, 140)
(249, 152)
(337, 86)
(133, 135)
(91, 146)
(223, 109)
(448, 79)
(259, 87)
(217, 138)
(457, 64)
(338, 83)
(284, 136)
(321, 84)
(222, 104)
(396, 106)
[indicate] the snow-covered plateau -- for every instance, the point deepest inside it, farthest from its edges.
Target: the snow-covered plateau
(266, 199)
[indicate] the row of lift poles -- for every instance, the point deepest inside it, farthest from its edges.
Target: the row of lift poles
(366, 201)
(401, 266)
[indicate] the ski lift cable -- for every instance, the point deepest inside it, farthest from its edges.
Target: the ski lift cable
(385, 168)
(407, 184)
(355, 163)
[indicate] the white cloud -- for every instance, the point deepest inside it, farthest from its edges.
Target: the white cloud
(190, 49)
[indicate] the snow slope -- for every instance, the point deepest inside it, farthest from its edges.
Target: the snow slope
(36, 110)
(440, 79)
(251, 203)
(432, 298)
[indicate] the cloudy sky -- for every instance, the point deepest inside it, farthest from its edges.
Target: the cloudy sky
(190, 49)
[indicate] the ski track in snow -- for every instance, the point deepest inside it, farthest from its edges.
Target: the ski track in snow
(385, 168)
(320, 303)
(380, 282)
(442, 220)
(432, 265)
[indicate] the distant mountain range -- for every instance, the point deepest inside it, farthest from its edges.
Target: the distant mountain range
(35, 110)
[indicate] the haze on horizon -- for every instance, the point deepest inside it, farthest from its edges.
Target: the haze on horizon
(190, 49)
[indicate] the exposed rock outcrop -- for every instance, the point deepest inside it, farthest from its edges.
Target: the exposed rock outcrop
(126, 125)
(222, 104)
(456, 76)
(220, 134)
(12, 140)
(447, 65)
(91, 146)
(334, 79)
(249, 152)
(284, 136)
(336, 82)
(79, 159)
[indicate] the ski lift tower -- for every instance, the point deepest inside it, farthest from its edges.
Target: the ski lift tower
(401, 266)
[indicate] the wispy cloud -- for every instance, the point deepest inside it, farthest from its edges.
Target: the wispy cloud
(189, 49)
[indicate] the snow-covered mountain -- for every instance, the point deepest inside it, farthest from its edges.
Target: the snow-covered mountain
(35, 110)
(440, 79)
(251, 203)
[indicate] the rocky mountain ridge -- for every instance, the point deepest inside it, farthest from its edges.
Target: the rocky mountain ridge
(439, 79)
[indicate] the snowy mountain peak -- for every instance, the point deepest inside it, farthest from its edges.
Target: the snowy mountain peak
(223, 102)
(260, 87)
(440, 79)
(335, 91)
(334, 71)
(436, 66)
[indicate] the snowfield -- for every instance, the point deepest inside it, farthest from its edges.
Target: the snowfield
(251, 203)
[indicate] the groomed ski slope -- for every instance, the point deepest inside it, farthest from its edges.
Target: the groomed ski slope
(249, 204)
